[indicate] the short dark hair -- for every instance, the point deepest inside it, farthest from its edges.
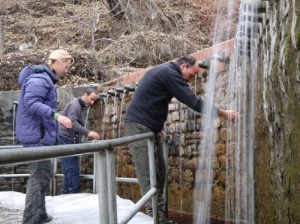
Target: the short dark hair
(187, 59)
(89, 90)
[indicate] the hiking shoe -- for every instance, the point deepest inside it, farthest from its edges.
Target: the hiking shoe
(48, 219)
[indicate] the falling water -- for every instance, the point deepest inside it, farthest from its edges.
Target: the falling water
(181, 152)
(15, 105)
(242, 89)
(85, 121)
(104, 97)
(114, 119)
(123, 93)
(204, 173)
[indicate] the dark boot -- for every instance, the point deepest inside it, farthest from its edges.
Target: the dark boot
(47, 219)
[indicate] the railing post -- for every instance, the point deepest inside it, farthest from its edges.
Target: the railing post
(53, 179)
(94, 174)
(153, 178)
(106, 188)
(165, 194)
(111, 185)
(102, 187)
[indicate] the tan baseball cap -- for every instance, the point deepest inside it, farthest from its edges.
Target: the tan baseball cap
(59, 54)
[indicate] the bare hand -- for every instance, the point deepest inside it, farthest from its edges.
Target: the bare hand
(65, 121)
(230, 115)
(94, 135)
(162, 134)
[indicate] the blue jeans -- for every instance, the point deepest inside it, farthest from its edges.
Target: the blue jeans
(71, 170)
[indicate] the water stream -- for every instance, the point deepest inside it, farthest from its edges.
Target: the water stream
(123, 94)
(239, 193)
(105, 101)
(15, 106)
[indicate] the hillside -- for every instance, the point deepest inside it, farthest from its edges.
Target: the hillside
(104, 46)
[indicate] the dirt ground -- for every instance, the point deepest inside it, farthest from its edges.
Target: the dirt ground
(103, 50)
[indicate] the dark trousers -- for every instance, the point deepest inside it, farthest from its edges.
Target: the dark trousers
(71, 170)
(139, 152)
(37, 186)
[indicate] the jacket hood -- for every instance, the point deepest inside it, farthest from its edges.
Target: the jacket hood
(35, 69)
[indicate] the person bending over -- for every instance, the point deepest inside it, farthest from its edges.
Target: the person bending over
(148, 112)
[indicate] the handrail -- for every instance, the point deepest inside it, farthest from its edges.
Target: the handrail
(18, 155)
(105, 166)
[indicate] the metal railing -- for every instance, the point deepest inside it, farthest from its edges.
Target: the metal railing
(105, 171)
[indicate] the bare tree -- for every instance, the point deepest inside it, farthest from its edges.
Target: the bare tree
(138, 12)
(1, 41)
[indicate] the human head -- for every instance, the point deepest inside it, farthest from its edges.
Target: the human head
(188, 66)
(60, 61)
(89, 97)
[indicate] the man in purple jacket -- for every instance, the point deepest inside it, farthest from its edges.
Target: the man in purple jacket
(37, 125)
(148, 112)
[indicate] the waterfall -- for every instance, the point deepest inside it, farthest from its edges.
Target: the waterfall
(242, 84)
(204, 173)
(242, 89)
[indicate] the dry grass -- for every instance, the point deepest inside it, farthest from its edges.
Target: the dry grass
(112, 44)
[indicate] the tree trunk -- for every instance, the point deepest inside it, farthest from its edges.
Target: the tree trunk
(114, 7)
(140, 13)
(1, 41)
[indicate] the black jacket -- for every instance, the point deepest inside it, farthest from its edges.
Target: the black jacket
(149, 105)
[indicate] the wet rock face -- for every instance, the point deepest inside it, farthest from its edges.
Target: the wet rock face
(277, 124)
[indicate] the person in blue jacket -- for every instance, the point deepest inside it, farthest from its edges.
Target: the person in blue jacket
(148, 112)
(74, 111)
(37, 125)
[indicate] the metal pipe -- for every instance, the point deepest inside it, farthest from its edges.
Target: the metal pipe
(120, 89)
(137, 206)
(152, 178)
(111, 186)
(53, 180)
(14, 175)
(113, 92)
(130, 87)
(165, 194)
(10, 146)
(19, 155)
(102, 190)
(204, 63)
(102, 95)
(127, 180)
(86, 176)
(95, 168)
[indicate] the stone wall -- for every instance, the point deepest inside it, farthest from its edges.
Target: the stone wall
(277, 166)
